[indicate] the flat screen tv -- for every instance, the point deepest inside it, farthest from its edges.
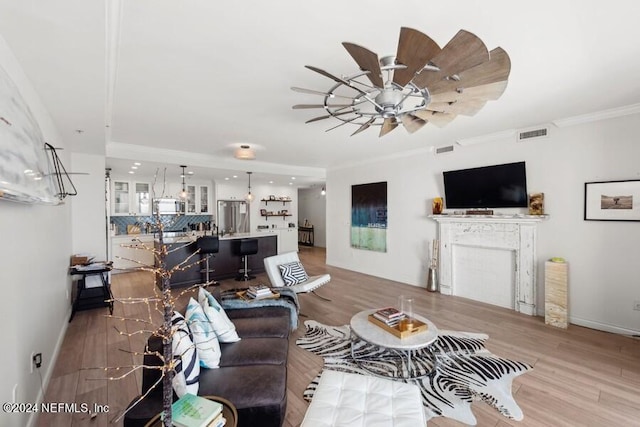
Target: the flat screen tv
(497, 186)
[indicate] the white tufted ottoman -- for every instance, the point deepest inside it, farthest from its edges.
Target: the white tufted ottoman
(351, 400)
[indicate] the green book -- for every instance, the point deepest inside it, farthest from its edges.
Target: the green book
(194, 411)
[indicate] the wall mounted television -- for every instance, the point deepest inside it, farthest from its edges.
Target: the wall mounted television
(497, 186)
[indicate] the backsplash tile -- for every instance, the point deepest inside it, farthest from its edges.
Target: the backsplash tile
(173, 222)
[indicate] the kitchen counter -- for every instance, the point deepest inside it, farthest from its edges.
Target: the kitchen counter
(225, 263)
(186, 237)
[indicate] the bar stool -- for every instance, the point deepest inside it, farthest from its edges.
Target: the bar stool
(208, 245)
(245, 248)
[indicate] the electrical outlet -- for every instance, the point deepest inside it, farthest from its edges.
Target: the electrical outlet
(636, 305)
(35, 360)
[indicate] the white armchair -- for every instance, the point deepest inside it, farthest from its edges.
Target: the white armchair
(272, 264)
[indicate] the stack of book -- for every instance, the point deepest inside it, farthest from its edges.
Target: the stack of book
(259, 291)
(391, 316)
(195, 411)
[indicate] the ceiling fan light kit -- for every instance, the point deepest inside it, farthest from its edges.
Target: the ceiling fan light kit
(422, 83)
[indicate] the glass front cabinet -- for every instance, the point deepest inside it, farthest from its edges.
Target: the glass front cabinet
(198, 199)
(130, 198)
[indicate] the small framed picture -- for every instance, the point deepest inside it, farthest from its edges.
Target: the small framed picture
(612, 200)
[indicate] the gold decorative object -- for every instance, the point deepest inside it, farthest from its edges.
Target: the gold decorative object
(536, 204)
(437, 205)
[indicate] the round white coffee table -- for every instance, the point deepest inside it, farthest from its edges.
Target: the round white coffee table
(406, 348)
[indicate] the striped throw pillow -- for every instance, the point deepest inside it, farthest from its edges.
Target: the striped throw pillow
(293, 273)
(188, 366)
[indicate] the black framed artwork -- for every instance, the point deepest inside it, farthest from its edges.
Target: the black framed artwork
(612, 200)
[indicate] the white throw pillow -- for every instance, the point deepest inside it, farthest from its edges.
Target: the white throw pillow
(223, 327)
(204, 336)
(293, 273)
(188, 369)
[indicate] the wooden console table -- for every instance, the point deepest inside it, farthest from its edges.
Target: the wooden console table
(305, 236)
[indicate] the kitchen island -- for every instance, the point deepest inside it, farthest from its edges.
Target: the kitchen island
(225, 264)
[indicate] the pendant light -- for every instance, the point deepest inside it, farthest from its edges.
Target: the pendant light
(249, 196)
(323, 191)
(183, 193)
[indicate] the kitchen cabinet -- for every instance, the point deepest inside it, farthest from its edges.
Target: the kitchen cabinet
(130, 198)
(198, 200)
(205, 201)
(288, 240)
(225, 263)
(132, 251)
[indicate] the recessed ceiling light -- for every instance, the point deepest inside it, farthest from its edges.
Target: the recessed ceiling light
(134, 167)
(291, 183)
(293, 177)
(131, 172)
(226, 179)
(235, 176)
(270, 182)
(137, 163)
(190, 173)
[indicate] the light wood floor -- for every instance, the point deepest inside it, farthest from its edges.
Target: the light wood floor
(581, 377)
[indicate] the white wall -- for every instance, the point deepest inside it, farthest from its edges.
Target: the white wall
(237, 190)
(603, 256)
(88, 214)
(34, 258)
(312, 207)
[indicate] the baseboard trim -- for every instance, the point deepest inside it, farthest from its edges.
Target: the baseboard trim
(602, 326)
(54, 358)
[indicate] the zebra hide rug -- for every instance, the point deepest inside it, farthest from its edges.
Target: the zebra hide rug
(466, 371)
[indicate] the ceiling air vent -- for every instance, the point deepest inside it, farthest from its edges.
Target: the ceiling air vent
(533, 133)
(445, 149)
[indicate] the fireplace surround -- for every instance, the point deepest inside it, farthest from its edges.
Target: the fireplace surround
(516, 233)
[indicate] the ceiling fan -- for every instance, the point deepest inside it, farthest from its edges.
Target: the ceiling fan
(421, 83)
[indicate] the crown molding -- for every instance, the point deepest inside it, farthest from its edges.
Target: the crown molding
(598, 115)
(509, 133)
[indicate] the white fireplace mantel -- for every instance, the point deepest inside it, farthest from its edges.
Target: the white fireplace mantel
(510, 232)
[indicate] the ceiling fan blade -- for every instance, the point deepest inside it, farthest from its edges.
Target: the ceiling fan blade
(434, 117)
(315, 119)
(415, 49)
(496, 69)
(317, 92)
(412, 123)
(468, 108)
(367, 61)
(334, 78)
(305, 106)
(487, 92)
(364, 126)
(388, 125)
(464, 50)
(343, 123)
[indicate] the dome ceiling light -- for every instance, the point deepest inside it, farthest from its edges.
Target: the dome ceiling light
(244, 152)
